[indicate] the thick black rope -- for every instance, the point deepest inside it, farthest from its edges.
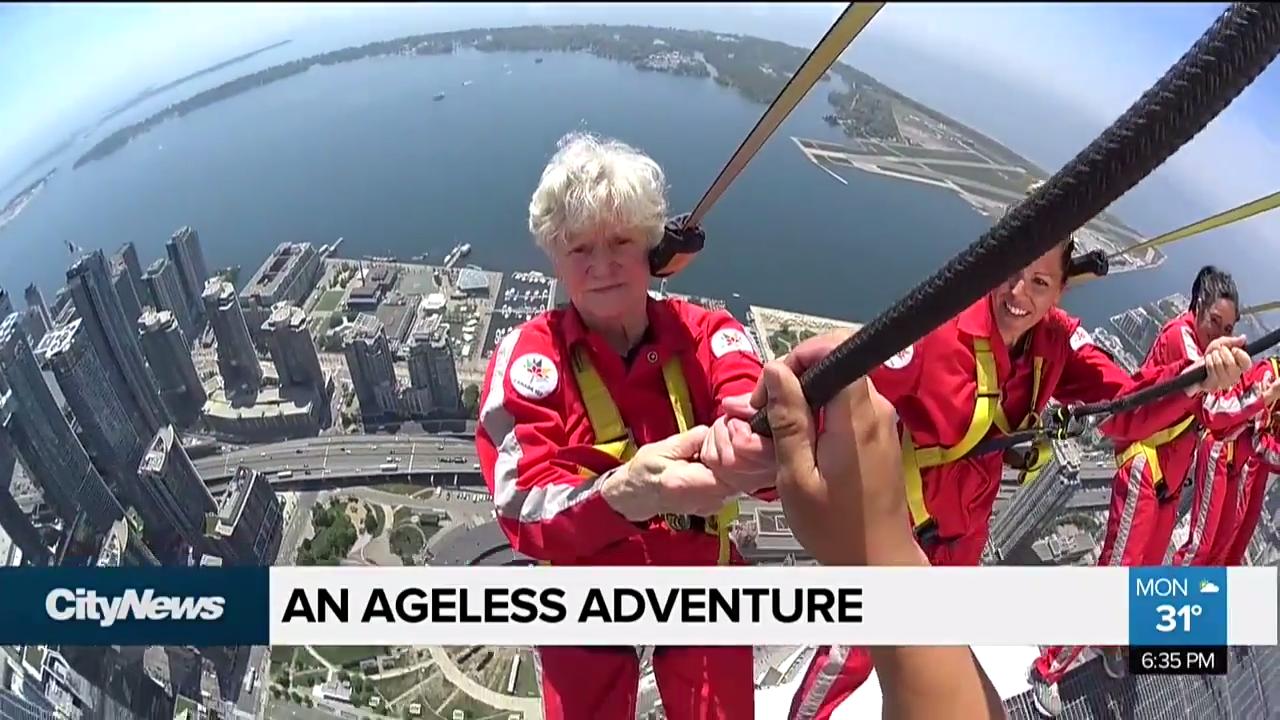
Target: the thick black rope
(1061, 427)
(1222, 63)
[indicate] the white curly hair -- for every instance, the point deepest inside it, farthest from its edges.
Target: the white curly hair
(592, 182)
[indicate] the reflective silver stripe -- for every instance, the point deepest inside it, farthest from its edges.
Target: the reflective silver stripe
(1242, 484)
(1227, 403)
(1203, 503)
(1137, 476)
(1189, 344)
(1062, 661)
(532, 504)
(826, 676)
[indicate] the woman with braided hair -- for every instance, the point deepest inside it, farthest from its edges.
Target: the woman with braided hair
(1150, 472)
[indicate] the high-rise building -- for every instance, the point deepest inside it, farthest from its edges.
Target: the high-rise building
(128, 257)
(6, 304)
(371, 363)
(112, 440)
(129, 290)
(164, 292)
(247, 527)
(123, 546)
(21, 697)
(15, 523)
(1037, 504)
(168, 474)
(293, 351)
(63, 308)
(49, 449)
(33, 321)
(237, 360)
(187, 256)
(288, 275)
(35, 301)
(433, 376)
(169, 355)
(445, 393)
(115, 338)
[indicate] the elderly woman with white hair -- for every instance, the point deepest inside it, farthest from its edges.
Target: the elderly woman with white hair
(593, 419)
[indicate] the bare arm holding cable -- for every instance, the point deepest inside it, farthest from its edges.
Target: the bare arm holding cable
(843, 496)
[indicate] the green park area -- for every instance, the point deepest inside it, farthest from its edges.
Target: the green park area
(784, 339)
(329, 301)
(334, 536)
(375, 521)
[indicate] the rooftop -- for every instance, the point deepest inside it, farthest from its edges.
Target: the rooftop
(219, 290)
(152, 320)
(270, 401)
(113, 544)
(58, 341)
(469, 279)
(155, 268)
(232, 503)
(367, 327)
(276, 268)
(285, 315)
(158, 451)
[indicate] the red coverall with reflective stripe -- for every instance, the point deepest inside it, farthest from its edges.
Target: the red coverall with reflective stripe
(1140, 524)
(933, 387)
(1239, 453)
(534, 437)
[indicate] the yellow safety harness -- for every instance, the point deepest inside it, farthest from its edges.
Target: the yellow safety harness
(1148, 447)
(987, 412)
(613, 437)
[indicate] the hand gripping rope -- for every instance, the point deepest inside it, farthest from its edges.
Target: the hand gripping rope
(1223, 62)
(1068, 422)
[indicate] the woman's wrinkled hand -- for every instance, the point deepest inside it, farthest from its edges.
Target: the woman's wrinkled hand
(666, 477)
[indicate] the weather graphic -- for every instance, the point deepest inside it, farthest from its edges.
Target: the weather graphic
(1208, 587)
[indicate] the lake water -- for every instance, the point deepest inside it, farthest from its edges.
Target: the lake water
(361, 151)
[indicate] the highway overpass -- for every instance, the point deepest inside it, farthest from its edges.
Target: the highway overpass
(429, 460)
(349, 460)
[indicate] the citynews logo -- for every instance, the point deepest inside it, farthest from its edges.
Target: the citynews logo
(64, 604)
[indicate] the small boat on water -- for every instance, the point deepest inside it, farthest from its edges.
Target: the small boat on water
(466, 83)
(438, 97)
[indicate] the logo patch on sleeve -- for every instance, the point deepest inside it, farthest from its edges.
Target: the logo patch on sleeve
(534, 376)
(730, 340)
(1080, 338)
(902, 359)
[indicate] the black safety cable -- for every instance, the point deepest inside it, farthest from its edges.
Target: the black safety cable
(1060, 426)
(1222, 63)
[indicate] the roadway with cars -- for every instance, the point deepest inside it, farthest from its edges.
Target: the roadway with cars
(338, 460)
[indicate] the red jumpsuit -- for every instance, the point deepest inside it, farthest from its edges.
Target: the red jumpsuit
(933, 386)
(1238, 455)
(1148, 481)
(542, 462)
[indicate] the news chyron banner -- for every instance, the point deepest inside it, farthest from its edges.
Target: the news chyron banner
(1166, 611)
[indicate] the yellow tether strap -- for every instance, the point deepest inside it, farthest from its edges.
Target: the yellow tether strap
(851, 22)
(612, 436)
(986, 412)
(1261, 308)
(1226, 217)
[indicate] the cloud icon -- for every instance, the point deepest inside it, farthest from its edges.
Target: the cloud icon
(1208, 587)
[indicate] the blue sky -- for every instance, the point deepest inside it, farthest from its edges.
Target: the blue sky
(63, 66)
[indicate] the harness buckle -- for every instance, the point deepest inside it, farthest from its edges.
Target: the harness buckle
(927, 533)
(677, 521)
